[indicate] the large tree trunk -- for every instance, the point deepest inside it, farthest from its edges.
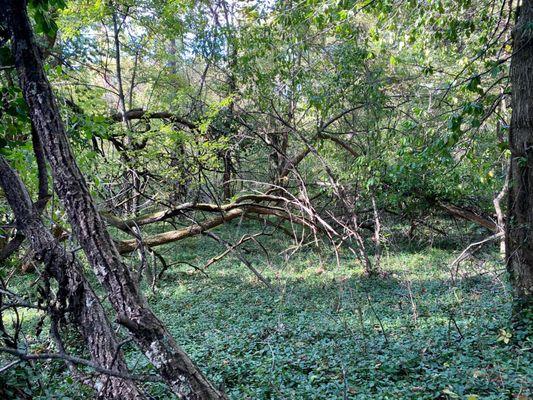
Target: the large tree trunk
(88, 313)
(520, 210)
(172, 363)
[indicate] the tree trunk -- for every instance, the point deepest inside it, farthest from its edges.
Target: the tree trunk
(89, 316)
(172, 363)
(226, 176)
(130, 176)
(376, 237)
(520, 208)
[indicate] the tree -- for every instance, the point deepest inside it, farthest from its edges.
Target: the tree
(343, 124)
(75, 292)
(520, 206)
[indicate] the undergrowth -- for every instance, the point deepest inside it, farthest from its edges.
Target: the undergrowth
(326, 331)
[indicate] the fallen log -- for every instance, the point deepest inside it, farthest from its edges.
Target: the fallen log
(127, 246)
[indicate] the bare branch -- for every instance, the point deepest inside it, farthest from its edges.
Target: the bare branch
(75, 360)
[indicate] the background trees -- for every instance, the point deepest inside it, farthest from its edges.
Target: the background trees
(344, 127)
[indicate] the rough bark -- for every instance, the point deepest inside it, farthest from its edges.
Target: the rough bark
(172, 363)
(89, 316)
(520, 207)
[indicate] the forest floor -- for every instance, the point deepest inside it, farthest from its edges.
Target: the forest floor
(424, 331)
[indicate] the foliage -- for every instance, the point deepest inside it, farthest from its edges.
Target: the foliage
(320, 335)
(396, 107)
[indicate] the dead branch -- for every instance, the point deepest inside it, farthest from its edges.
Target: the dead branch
(473, 247)
(231, 248)
(159, 216)
(139, 113)
(75, 360)
(242, 258)
(469, 215)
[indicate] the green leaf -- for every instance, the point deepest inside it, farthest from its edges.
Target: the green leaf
(474, 85)
(454, 123)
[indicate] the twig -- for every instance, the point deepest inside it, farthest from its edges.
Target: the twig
(379, 319)
(474, 246)
(242, 258)
(229, 249)
(10, 365)
(76, 360)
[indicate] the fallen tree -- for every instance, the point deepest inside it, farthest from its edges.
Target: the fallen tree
(243, 207)
(127, 246)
